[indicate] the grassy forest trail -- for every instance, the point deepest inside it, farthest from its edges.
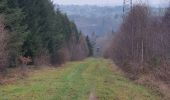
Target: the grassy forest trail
(90, 79)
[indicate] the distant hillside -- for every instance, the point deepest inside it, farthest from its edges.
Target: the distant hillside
(89, 19)
(96, 19)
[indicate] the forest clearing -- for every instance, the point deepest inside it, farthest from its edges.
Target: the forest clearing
(93, 79)
(107, 50)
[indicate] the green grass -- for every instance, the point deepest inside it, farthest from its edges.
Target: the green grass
(76, 81)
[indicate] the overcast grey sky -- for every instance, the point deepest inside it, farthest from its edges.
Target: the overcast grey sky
(106, 2)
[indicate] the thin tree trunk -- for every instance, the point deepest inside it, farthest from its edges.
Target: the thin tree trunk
(142, 53)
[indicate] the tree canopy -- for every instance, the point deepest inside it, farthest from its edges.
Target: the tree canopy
(35, 27)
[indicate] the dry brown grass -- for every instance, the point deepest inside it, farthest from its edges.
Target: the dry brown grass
(13, 74)
(158, 85)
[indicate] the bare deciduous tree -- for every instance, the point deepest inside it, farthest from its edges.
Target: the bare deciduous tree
(142, 44)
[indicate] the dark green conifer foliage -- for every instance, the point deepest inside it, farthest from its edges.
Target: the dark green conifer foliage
(17, 30)
(35, 26)
(90, 46)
